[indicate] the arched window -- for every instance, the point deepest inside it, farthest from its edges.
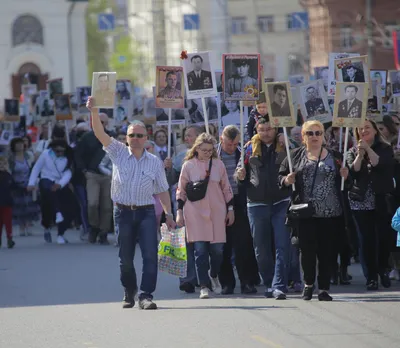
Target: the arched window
(27, 29)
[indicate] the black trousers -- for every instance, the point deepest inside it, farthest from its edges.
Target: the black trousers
(315, 242)
(340, 246)
(239, 240)
(375, 235)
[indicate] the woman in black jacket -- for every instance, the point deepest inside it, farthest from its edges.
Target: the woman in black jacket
(317, 175)
(371, 164)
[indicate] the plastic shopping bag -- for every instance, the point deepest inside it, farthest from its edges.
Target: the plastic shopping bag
(172, 257)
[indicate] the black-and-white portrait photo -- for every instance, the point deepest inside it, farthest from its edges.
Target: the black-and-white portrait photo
(353, 73)
(314, 102)
(395, 82)
(199, 75)
(55, 87)
(73, 102)
(218, 79)
(62, 106)
(149, 110)
(350, 98)
(124, 89)
(178, 116)
(230, 113)
(278, 97)
(103, 89)
(241, 74)
(196, 110)
(108, 112)
(11, 107)
(322, 73)
(46, 106)
(374, 106)
(382, 76)
(83, 93)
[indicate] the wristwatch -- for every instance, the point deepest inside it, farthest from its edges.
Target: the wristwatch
(230, 208)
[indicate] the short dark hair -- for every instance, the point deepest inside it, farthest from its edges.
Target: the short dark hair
(169, 73)
(262, 120)
(106, 75)
(14, 142)
(231, 132)
(196, 56)
(279, 88)
(313, 87)
(352, 86)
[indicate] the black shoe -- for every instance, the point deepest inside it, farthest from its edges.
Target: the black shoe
(308, 292)
(356, 259)
(10, 243)
(187, 287)
(129, 299)
(103, 240)
(248, 289)
(385, 280)
(227, 290)
(93, 235)
(343, 276)
(349, 276)
(372, 285)
(324, 296)
(147, 304)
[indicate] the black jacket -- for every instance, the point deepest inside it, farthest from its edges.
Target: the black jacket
(261, 180)
(89, 153)
(6, 185)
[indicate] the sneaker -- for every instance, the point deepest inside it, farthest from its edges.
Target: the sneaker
(59, 218)
(279, 295)
(147, 304)
(215, 284)
(10, 243)
(394, 275)
(47, 236)
(268, 293)
(297, 287)
(204, 293)
(61, 240)
(129, 299)
(308, 292)
(324, 296)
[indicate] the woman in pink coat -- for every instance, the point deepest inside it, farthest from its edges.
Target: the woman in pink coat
(206, 219)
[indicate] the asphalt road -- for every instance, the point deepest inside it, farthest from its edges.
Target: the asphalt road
(70, 297)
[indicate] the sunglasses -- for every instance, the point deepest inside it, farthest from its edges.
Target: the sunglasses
(316, 133)
(136, 135)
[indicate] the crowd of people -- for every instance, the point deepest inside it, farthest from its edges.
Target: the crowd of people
(258, 217)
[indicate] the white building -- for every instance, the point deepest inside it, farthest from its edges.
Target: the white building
(46, 39)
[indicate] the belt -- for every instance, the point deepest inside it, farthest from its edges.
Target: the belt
(134, 207)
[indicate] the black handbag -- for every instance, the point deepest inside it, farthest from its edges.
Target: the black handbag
(304, 210)
(196, 191)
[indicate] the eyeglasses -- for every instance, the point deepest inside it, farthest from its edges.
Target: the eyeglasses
(136, 135)
(316, 133)
(206, 151)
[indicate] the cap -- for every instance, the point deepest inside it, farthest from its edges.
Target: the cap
(240, 62)
(261, 98)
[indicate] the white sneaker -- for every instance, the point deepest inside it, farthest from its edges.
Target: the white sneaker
(394, 275)
(204, 293)
(61, 240)
(59, 218)
(215, 284)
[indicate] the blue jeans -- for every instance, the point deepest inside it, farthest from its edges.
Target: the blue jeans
(191, 276)
(116, 221)
(265, 220)
(203, 252)
(131, 224)
(80, 192)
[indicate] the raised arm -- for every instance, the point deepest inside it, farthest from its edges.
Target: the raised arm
(97, 126)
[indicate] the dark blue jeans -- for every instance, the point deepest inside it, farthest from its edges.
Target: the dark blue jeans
(80, 192)
(131, 225)
(265, 220)
(203, 252)
(190, 268)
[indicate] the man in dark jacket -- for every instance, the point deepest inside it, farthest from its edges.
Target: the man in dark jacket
(266, 207)
(88, 155)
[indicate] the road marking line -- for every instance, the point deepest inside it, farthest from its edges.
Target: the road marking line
(266, 342)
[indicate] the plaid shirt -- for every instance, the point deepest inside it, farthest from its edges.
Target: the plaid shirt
(134, 182)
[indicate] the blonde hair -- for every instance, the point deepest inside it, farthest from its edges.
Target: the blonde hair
(203, 138)
(308, 125)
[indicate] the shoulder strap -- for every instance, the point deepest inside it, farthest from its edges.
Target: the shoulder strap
(315, 173)
(209, 168)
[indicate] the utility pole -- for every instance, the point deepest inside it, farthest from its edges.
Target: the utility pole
(370, 42)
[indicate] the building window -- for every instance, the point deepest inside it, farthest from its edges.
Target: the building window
(266, 24)
(239, 26)
(27, 29)
(346, 36)
(297, 21)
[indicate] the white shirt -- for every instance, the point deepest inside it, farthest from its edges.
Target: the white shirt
(134, 182)
(51, 167)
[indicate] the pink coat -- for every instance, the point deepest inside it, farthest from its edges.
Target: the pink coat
(205, 219)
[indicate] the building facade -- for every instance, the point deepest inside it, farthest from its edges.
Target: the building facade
(343, 26)
(43, 40)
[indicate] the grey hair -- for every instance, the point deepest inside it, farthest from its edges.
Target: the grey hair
(137, 123)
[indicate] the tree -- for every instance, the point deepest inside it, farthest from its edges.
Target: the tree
(129, 61)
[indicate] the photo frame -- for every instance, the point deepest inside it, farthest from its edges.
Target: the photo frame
(352, 69)
(280, 104)
(332, 76)
(374, 105)
(104, 85)
(123, 91)
(314, 102)
(11, 110)
(383, 75)
(122, 111)
(199, 75)
(296, 80)
(55, 87)
(62, 107)
(322, 73)
(394, 76)
(242, 76)
(178, 116)
(82, 94)
(46, 105)
(350, 107)
(169, 93)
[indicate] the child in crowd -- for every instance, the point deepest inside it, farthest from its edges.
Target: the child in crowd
(6, 182)
(255, 114)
